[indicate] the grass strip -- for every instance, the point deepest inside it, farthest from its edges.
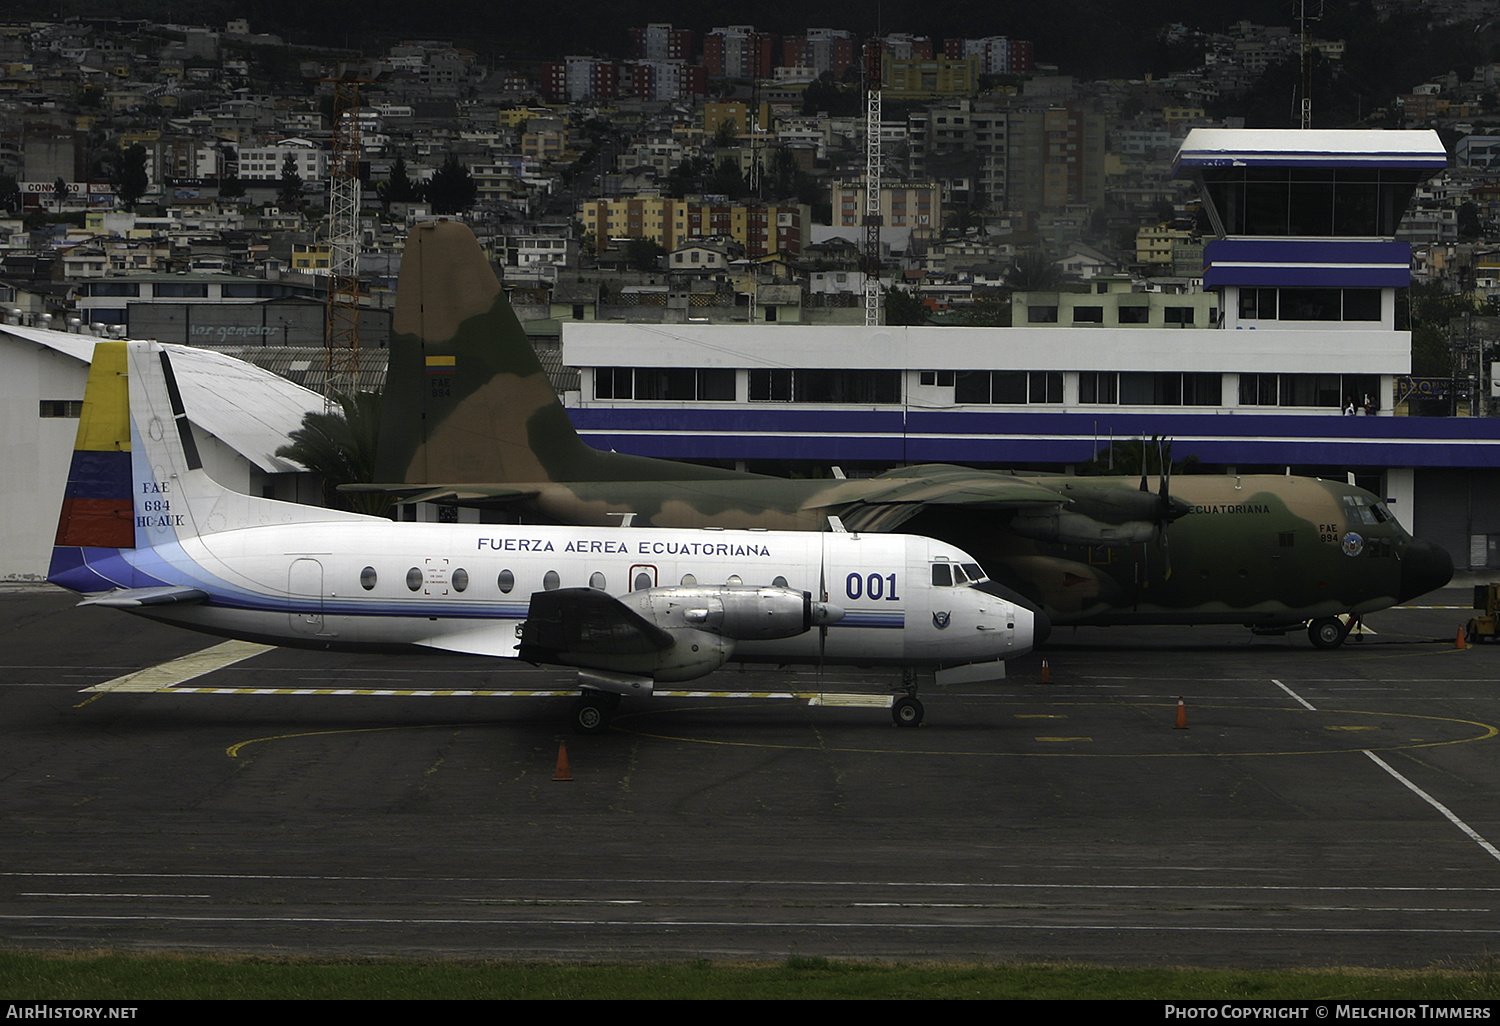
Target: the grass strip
(27, 975)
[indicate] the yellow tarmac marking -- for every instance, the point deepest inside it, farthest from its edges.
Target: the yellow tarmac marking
(374, 692)
(233, 751)
(163, 676)
(1351, 728)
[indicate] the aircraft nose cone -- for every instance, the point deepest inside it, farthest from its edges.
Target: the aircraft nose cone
(1041, 628)
(1424, 567)
(1041, 625)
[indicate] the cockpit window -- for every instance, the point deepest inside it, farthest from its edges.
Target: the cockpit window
(975, 572)
(942, 575)
(958, 575)
(1365, 509)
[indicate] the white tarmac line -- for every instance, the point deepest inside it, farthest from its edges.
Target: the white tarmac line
(1302, 701)
(175, 671)
(1472, 834)
(1469, 831)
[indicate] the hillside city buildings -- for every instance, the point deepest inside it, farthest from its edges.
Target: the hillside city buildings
(1062, 241)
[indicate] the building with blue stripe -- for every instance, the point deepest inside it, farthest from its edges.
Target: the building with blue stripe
(1305, 267)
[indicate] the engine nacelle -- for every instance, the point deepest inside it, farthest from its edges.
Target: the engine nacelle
(736, 611)
(1070, 528)
(666, 634)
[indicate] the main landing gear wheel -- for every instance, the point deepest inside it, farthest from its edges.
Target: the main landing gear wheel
(592, 712)
(907, 712)
(1327, 632)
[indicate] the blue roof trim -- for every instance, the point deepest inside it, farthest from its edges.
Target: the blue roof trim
(1308, 263)
(1006, 437)
(1290, 277)
(1309, 251)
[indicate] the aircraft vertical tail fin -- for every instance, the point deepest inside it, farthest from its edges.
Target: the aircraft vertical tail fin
(137, 481)
(466, 399)
(98, 509)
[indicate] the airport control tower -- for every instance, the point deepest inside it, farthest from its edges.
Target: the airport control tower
(1306, 224)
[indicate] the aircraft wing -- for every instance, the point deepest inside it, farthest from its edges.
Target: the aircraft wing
(133, 598)
(587, 621)
(466, 494)
(899, 495)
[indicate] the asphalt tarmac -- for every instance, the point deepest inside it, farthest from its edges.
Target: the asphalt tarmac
(1319, 808)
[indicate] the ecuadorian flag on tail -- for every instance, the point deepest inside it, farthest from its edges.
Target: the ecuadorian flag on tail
(98, 511)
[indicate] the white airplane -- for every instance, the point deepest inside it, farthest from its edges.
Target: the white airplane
(144, 528)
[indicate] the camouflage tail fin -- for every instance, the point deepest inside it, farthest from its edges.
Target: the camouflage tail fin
(466, 399)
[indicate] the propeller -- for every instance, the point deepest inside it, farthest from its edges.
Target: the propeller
(1166, 508)
(822, 627)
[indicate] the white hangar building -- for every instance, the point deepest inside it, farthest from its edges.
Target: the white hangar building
(240, 416)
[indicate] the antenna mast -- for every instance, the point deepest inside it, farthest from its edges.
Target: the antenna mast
(873, 75)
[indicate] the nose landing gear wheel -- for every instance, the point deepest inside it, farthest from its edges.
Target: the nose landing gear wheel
(593, 711)
(907, 712)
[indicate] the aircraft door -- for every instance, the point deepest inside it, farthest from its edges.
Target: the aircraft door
(304, 587)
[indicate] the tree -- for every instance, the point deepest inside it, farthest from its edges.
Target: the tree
(728, 180)
(452, 190)
(644, 254)
(290, 191)
(1130, 457)
(340, 448)
(10, 193)
(398, 186)
(1033, 272)
(689, 176)
(1469, 227)
(726, 134)
(230, 185)
(903, 306)
(129, 176)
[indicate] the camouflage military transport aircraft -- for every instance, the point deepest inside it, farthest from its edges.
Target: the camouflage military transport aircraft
(470, 419)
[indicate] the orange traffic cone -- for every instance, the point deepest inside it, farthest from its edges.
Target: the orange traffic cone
(1459, 642)
(1181, 723)
(563, 772)
(1046, 673)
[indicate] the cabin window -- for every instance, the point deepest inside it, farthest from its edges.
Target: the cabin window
(596, 580)
(688, 580)
(367, 578)
(507, 581)
(642, 581)
(942, 575)
(735, 579)
(779, 582)
(414, 579)
(551, 582)
(460, 579)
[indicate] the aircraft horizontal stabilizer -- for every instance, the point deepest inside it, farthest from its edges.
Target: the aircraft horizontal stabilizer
(132, 598)
(464, 495)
